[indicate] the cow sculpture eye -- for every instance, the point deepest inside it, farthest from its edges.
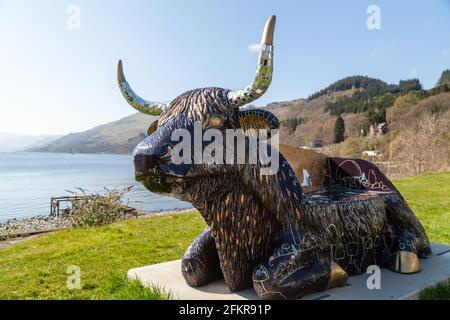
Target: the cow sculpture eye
(152, 128)
(167, 153)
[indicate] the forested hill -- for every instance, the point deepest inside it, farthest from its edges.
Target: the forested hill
(375, 86)
(359, 100)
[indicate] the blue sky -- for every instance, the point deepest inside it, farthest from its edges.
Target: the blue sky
(54, 80)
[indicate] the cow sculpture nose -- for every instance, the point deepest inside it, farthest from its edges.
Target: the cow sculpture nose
(144, 163)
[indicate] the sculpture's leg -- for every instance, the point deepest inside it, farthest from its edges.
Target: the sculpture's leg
(409, 234)
(289, 273)
(200, 264)
(290, 280)
(403, 256)
(404, 262)
(406, 239)
(237, 271)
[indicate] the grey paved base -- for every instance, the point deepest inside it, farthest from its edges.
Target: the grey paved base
(435, 269)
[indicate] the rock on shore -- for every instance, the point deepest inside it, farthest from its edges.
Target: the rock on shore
(14, 227)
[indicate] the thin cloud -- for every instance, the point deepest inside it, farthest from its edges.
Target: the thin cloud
(254, 47)
(444, 52)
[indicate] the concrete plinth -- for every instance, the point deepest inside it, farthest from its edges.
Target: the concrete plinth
(394, 286)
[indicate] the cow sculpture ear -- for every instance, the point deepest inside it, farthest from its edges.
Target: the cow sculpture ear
(153, 127)
(258, 119)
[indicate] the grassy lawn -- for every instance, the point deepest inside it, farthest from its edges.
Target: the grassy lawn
(36, 269)
(429, 198)
(441, 291)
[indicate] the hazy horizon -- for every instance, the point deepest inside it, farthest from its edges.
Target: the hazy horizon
(58, 74)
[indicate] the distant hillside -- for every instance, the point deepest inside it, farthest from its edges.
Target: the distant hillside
(361, 101)
(12, 142)
(313, 122)
(115, 137)
(356, 82)
(372, 85)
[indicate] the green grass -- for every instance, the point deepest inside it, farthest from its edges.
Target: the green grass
(440, 291)
(429, 197)
(36, 269)
(120, 288)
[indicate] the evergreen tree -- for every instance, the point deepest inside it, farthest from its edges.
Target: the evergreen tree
(374, 117)
(444, 79)
(339, 130)
(410, 85)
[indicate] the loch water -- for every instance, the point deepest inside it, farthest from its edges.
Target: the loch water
(28, 180)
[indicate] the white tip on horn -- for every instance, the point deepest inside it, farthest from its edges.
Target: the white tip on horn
(269, 30)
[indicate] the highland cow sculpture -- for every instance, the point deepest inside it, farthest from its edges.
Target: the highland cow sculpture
(287, 234)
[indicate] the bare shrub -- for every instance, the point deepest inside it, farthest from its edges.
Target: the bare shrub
(423, 146)
(409, 107)
(96, 209)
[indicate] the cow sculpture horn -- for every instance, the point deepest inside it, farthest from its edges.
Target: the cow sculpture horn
(263, 76)
(236, 98)
(144, 106)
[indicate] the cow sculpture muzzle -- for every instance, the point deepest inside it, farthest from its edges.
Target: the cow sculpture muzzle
(153, 157)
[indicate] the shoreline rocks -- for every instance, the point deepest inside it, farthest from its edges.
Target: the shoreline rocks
(22, 227)
(17, 227)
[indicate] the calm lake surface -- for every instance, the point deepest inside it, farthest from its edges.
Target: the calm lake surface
(28, 180)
